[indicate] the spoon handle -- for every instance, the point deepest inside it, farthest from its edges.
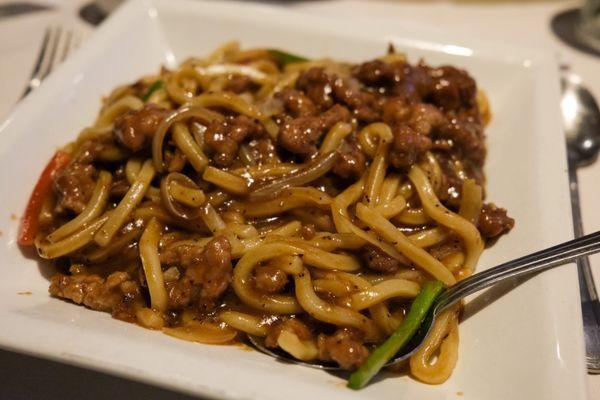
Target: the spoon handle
(590, 307)
(532, 263)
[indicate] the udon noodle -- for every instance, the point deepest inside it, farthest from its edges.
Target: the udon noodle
(258, 192)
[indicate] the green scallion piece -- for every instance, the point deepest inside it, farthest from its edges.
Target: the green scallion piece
(156, 85)
(381, 355)
(285, 58)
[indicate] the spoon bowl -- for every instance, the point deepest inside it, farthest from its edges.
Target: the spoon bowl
(581, 118)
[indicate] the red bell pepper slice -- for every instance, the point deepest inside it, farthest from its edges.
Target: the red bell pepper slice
(30, 222)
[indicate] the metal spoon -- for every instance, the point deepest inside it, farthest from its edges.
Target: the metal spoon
(582, 128)
(536, 262)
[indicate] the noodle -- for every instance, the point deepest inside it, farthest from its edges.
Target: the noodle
(151, 263)
(393, 236)
(327, 312)
(445, 217)
(131, 199)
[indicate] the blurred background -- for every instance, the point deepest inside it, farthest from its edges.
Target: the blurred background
(568, 28)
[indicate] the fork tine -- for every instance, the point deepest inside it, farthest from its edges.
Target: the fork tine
(77, 39)
(53, 50)
(67, 45)
(56, 47)
(38, 63)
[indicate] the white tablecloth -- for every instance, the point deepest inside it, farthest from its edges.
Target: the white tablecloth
(519, 21)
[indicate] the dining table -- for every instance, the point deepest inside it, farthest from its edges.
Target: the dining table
(526, 23)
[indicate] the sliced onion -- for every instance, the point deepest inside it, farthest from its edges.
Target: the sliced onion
(226, 69)
(174, 207)
(315, 169)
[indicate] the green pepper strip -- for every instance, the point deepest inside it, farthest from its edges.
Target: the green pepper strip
(286, 58)
(378, 358)
(153, 88)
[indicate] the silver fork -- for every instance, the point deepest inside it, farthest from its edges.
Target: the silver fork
(57, 44)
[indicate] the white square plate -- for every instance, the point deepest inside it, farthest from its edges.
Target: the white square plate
(525, 344)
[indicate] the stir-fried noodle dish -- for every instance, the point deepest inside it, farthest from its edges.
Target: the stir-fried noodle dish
(258, 192)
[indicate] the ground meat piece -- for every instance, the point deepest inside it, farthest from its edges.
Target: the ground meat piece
(365, 106)
(408, 147)
(90, 151)
(308, 231)
(424, 118)
(453, 89)
(381, 75)
(180, 255)
(119, 188)
(369, 108)
(117, 294)
(455, 170)
(270, 279)
(493, 221)
(335, 114)
(466, 132)
(181, 293)
(293, 325)
(224, 137)
(296, 103)
(262, 151)
(316, 83)
(238, 83)
(175, 160)
(373, 73)
(352, 162)
(395, 110)
(451, 187)
(207, 275)
(74, 186)
(345, 347)
(217, 270)
(120, 184)
(376, 259)
(414, 84)
(135, 128)
(301, 135)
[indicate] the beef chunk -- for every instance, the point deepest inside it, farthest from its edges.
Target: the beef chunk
(74, 186)
(352, 162)
(117, 294)
(316, 83)
(223, 138)
(238, 83)
(135, 128)
(208, 273)
(453, 89)
(365, 105)
(301, 135)
(296, 103)
(345, 347)
(493, 221)
(270, 279)
(376, 259)
(408, 147)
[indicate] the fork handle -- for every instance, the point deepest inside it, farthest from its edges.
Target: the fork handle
(536, 262)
